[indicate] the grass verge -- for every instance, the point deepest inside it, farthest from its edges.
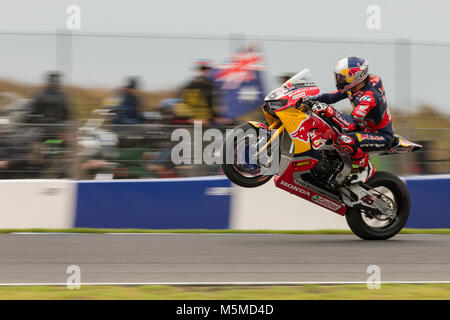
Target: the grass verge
(200, 231)
(310, 292)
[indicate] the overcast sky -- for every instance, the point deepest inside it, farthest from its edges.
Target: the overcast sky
(163, 63)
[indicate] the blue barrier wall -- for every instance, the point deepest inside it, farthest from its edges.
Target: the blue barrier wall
(195, 203)
(204, 203)
(430, 201)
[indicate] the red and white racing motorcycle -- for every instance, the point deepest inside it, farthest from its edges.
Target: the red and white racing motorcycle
(310, 165)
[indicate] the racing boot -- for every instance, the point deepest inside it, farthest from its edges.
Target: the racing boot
(364, 170)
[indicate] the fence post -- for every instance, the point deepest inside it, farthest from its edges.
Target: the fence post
(402, 87)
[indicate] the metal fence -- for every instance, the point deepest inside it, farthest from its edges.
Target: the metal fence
(93, 151)
(98, 150)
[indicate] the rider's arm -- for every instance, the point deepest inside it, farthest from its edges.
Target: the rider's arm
(351, 122)
(339, 120)
(345, 121)
(330, 98)
(354, 121)
(366, 103)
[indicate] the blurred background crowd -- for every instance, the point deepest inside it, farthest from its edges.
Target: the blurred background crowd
(60, 130)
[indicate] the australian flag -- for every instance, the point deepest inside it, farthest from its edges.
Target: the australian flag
(239, 81)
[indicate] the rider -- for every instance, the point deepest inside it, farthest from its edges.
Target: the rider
(369, 127)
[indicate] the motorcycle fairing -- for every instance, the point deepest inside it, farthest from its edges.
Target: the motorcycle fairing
(401, 145)
(258, 125)
(308, 134)
(305, 190)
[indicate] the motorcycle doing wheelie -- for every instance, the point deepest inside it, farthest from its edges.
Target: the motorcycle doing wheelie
(299, 149)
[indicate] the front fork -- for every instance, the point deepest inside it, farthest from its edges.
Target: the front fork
(276, 125)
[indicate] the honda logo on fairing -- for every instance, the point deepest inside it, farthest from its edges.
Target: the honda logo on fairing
(295, 188)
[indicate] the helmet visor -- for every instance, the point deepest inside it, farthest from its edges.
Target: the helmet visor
(341, 81)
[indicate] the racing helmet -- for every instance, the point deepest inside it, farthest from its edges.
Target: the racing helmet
(349, 72)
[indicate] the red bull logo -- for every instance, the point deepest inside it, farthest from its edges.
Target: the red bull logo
(316, 140)
(312, 131)
(302, 132)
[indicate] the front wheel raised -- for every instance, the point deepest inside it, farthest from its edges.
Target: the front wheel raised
(240, 163)
(393, 191)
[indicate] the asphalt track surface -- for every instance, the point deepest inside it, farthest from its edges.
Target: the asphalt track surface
(170, 258)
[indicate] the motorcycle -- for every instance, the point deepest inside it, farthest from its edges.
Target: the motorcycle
(299, 150)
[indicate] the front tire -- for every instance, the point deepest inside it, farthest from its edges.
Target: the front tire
(249, 177)
(357, 219)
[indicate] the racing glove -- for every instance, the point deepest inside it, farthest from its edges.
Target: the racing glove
(322, 109)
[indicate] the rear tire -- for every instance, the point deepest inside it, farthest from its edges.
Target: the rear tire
(398, 188)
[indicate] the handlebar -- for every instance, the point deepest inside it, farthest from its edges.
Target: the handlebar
(307, 106)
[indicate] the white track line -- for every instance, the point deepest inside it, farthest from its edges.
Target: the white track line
(169, 233)
(219, 283)
(203, 178)
(208, 234)
(156, 233)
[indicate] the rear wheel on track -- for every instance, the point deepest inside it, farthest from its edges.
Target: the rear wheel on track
(392, 191)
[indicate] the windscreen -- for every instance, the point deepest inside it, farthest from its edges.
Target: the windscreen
(303, 78)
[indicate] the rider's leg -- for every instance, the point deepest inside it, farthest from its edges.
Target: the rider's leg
(358, 144)
(349, 145)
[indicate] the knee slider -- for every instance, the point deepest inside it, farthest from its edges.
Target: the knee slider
(347, 145)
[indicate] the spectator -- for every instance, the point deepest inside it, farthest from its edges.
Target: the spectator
(48, 134)
(49, 106)
(131, 160)
(17, 160)
(198, 98)
(127, 112)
